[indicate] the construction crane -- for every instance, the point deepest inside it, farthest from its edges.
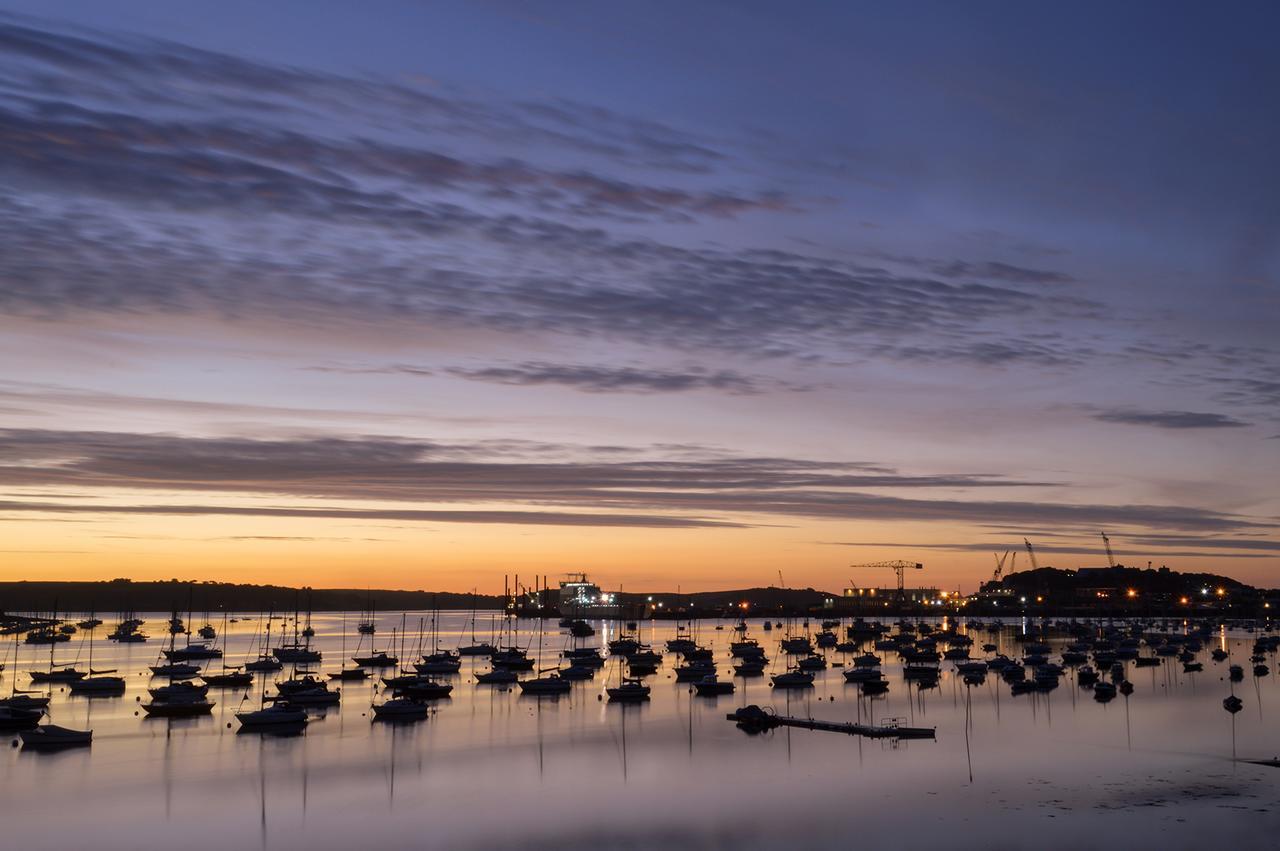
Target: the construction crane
(1035, 565)
(1106, 543)
(1000, 560)
(899, 567)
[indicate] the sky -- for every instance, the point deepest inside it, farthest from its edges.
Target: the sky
(419, 295)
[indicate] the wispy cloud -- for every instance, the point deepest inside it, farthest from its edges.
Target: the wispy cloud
(588, 378)
(1169, 419)
(606, 379)
(148, 177)
(524, 518)
(996, 271)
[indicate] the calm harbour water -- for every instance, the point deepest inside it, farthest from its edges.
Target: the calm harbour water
(491, 768)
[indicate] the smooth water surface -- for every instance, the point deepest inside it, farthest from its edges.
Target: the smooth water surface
(491, 768)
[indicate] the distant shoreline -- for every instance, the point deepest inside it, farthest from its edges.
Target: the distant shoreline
(122, 595)
(1044, 592)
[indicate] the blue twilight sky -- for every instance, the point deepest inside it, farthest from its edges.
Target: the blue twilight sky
(655, 290)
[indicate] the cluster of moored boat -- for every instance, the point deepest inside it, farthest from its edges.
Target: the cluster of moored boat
(1097, 655)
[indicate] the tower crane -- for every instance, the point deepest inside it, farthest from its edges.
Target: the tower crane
(899, 567)
(1106, 543)
(1031, 552)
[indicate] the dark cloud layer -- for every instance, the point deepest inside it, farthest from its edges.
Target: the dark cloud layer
(524, 518)
(704, 490)
(1059, 549)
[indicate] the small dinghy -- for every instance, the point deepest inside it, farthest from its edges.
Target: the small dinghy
(51, 736)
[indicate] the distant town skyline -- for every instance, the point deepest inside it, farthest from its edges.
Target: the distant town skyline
(418, 295)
